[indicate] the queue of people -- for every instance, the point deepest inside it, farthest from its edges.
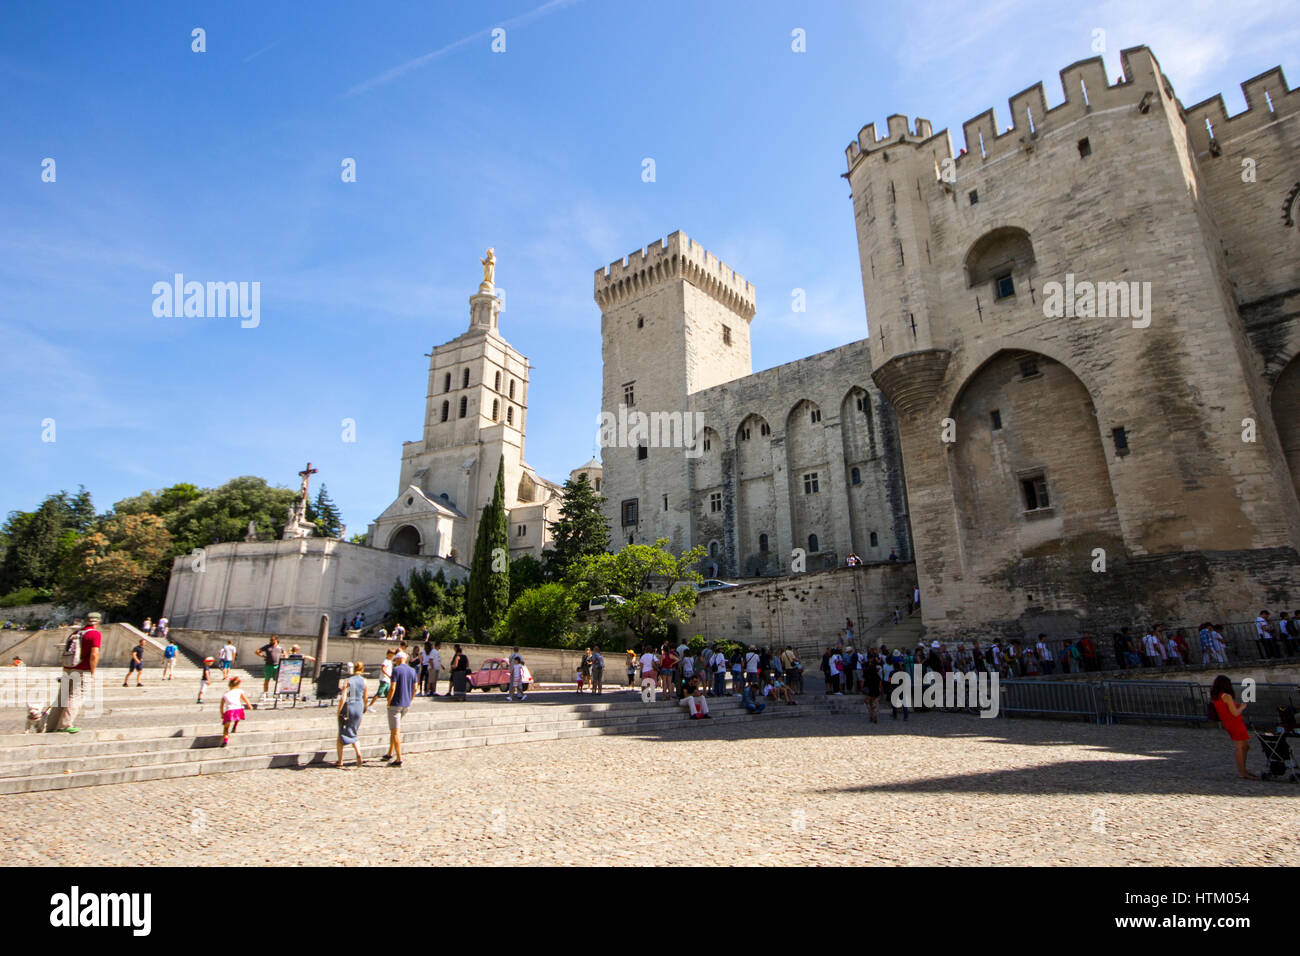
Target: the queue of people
(757, 675)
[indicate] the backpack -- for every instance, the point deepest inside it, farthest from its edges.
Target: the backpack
(71, 655)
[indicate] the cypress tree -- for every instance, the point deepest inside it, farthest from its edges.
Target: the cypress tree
(488, 594)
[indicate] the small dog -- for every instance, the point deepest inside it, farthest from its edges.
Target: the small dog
(36, 719)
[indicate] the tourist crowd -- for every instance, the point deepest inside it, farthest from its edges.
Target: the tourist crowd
(757, 675)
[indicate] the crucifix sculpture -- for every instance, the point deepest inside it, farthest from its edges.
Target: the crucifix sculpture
(305, 475)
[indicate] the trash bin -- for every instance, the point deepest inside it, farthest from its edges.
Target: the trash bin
(327, 684)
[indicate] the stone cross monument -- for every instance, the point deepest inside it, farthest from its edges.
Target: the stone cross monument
(298, 526)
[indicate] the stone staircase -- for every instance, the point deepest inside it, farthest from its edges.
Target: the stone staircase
(907, 633)
(156, 741)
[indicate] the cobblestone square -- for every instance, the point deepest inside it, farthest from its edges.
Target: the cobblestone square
(937, 789)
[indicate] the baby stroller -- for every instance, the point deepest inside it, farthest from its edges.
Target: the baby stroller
(1281, 760)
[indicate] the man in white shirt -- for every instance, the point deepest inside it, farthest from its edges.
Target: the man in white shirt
(836, 664)
(1045, 654)
(385, 679)
(719, 663)
(227, 658)
(1264, 635)
(435, 665)
(1151, 650)
(649, 687)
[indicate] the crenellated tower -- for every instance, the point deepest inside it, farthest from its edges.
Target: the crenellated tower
(674, 320)
(1038, 432)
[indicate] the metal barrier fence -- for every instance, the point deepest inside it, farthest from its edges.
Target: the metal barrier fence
(1053, 698)
(1110, 701)
(1155, 700)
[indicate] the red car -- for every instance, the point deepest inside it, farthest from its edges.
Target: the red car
(495, 672)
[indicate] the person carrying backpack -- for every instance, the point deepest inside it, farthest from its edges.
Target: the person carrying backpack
(79, 660)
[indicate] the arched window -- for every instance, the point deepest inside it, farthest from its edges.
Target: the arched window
(495, 409)
(446, 383)
(997, 257)
(762, 544)
(713, 549)
(512, 389)
(875, 541)
(510, 414)
(464, 379)
(855, 476)
(445, 410)
(496, 382)
(463, 405)
(812, 542)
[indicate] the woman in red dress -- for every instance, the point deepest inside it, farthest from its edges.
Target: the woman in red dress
(1229, 711)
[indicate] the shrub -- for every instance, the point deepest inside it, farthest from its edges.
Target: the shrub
(590, 635)
(542, 616)
(26, 596)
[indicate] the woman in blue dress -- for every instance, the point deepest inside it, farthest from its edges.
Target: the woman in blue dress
(352, 702)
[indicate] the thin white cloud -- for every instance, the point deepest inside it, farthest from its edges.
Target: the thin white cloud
(253, 56)
(403, 68)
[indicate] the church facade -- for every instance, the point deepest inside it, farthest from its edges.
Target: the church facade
(475, 418)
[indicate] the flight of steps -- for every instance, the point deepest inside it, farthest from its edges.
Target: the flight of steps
(182, 747)
(905, 634)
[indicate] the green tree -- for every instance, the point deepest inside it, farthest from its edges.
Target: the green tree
(164, 504)
(325, 515)
(489, 575)
(581, 530)
(525, 572)
(223, 514)
(108, 568)
(647, 577)
(37, 543)
(542, 616)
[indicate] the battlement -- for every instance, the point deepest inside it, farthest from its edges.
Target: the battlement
(1086, 91)
(669, 259)
(1268, 99)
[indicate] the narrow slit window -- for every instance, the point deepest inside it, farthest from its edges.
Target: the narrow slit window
(1120, 437)
(995, 418)
(1085, 148)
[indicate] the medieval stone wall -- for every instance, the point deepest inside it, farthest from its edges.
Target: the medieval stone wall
(1128, 421)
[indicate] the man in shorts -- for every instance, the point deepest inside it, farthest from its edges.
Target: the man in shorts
(400, 694)
(226, 658)
(271, 654)
(385, 679)
(136, 664)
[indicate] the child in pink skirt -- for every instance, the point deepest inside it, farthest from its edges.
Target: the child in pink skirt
(233, 703)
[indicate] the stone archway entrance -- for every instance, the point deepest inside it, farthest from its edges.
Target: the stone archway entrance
(405, 540)
(1286, 417)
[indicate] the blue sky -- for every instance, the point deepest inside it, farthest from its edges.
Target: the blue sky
(225, 166)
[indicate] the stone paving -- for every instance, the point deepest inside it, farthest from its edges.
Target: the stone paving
(938, 789)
